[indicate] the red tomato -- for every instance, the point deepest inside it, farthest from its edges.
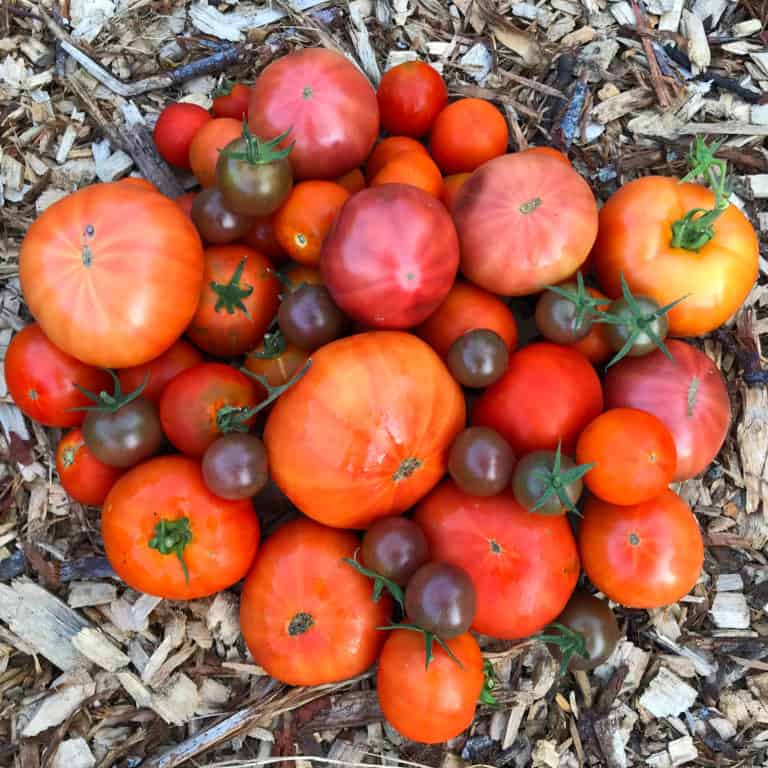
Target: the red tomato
(429, 704)
(158, 372)
(175, 129)
(392, 256)
(524, 566)
(595, 345)
(467, 308)
(633, 453)
(196, 405)
(231, 101)
(388, 149)
(451, 187)
(328, 104)
(415, 168)
(549, 151)
(687, 394)
(411, 95)
(467, 134)
(548, 393)
(112, 273)
(353, 181)
(262, 238)
(548, 206)
(306, 615)
(238, 302)
(208, 143)
(643, 556)
(82, 475)
(162, 502)
(42, 380)
(715, 279)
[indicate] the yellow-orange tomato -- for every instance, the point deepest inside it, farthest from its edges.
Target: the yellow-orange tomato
(353, 181)
(415, 168)
(210, 139)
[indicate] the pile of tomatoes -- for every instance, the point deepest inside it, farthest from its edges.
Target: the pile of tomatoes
(347, 335)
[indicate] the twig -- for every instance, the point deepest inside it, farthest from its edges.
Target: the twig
(569, 119)
(532, 84)
(659, 86)
(564, 76)
(479, 92)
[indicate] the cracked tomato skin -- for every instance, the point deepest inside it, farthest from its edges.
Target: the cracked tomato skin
(225, 534)
(365, 433)
(524, 565)
(83, 476)
(635, 239)
(307, 616)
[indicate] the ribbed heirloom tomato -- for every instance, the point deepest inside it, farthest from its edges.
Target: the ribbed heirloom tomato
(82, 475)
(112, 273)
(365, 432)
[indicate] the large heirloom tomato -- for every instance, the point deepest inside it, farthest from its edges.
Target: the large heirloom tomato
(548, 393)
(365, 432)
(636, 240)
(328, 104)
(166, 534)
(112, 273)
(391, 257)
(306, 615)
(687, 393)
(524, 565)
(525, 221)
(643, 556)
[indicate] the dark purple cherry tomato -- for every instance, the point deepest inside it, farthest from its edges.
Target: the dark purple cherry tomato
(548, 482)
(481, 461)
(557, 317)
(394, 547)
(235, 466)
(216, 223)
(637, 330)
(478, 358)
(309, 318)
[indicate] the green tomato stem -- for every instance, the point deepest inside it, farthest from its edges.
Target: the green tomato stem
(171, 538)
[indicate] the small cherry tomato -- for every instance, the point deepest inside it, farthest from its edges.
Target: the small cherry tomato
(388, 149)
(208, 143)
(480, 461)
(309, 319)
(261, 237)
(394, 547)
(478, 358)
(214, 221)
(235, 466)
(415, 168)
(565, 312)
(175, 129)
(83, 476)
(275, 360)
(231, 100)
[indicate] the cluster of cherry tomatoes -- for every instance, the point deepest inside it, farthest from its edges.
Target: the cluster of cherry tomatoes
(301, 320)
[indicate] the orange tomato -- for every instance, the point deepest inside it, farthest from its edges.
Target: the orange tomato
(353, 181)
(551, 152)
(466, 134)
(595, 345)
(210, 139)
(306, 217)
(451, 186)
(415, 168)
(301, 274)
(388, 149)
(135, 181)
(185, 203)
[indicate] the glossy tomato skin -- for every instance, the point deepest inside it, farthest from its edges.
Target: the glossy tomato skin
(395, 547)
(387, 150)
(548, 393)
(224, 540)
(451, 186)
(327, 450)
(595, 621)
(276, 367)
(232, 102)
(465, 308)
(191, 405)
(642, 556)
(411, 95)
(478, 358)
(158, 372)
(716, 279)
(415, 168)
(42, 379)
(83, 476)
(216, 223)
(328, 104)
(524, 566)
(307, 616)
(595, 345)
(101, 250)
(208, 143)
(175, 129)
(232, 318)
(688, 394)
(261, 237)
(549, 206)
(353, 181)
(391, 257)
(429, 704)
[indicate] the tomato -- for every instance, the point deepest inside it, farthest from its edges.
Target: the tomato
(478, 358)
(550, 152)
(481, 461)
(415, 168)
(82, 475)
(524, 566)
(307, 616)
(466, 308)
(365, 433)
(43, 381)
(548, 393)
(388, 149)
(309, 319)
(642, 556)
(545, 202)
(297, 275)
(112, 273)
(276, 360)
(466, 134)
(216, 223)
(235, 466)
(261, 237)
(688, 394)
(185, 202)
(238, 302)
(392, 256)
(411, 95)
(635, 240)
(306, 217)
(595, 345)
(633, 453)
(176, 126)
(434, 703)
(158, 372)
(353, 181)
(167, 535)
(451, 186)
(138, 183)
(208, 143)
(231, 100)
(204, 402)
(328, 104)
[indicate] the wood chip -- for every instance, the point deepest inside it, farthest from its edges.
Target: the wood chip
(362, 42)
(87, 593)
(97, 647)
(178, 701)
(56, 707)
(667, 694)
(730, 610)
(729, 582)
(635, 659)
(224, 618)
(622, 104)
(670, 19)
(73, 753)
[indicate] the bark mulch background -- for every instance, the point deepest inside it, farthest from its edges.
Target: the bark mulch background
(94, 674)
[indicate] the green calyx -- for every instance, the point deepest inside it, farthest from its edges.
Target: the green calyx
(587, 306)
(258, 152)
(224, 88)
(568, 641)
(106, 403)
(229, 296)
(274, 346)
(171, 538)
(694, 230)
(557, 480)
(430, 638)
(380, 583)
(489, 683)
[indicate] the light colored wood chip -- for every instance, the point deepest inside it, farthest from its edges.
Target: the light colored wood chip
(516, 713)
(139, 692)
(563, 28)
(724, 728)
(48, 197)
(97, 647)
(358, 32)
(746, 28)
(175, 631)
(11, 172)
(758, 185)
(213, 696)
(682, 751)
(56, 707)
(729, 582)
(211, 21)
(224, 618)
(670, 19)
(178, 701)
(519, 42)
(710, 9)
(86, 593)
(73, 753)
(698, 45)
(477, 62)
(345, 752)
(627, 653)
(581, 36)
(623, 13)
(545, 754)
(667, 694)
(758, 114)
(35, 50)
(622, 104)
